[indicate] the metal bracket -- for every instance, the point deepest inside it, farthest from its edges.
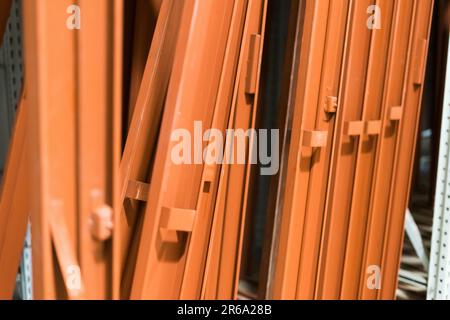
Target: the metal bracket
(331, 104)
(175, 220)
(396, 113)
(373, 128)
(138, 191)
(354, 128)
(315, 139)
(178, 219)
(102, 223)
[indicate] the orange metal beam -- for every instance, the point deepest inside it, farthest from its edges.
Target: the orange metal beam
(137, 225)
(385, 162)
(272, 227)
(237, 179)
(342, 172)
(384, 52)
(95, 155)
(289, 236)
(136, 162)
(50, 66)
(117, 20)
(74, 124)
(198, 243)
(310, 145)
(14, 205)
(393, 93)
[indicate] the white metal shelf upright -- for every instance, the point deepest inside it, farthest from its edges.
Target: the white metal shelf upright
(439, 269)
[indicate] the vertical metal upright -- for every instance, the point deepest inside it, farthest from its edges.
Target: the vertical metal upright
(439, 270)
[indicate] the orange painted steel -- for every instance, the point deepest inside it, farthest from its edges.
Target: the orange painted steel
(225, 248)
(72, 115)
(285, 108)
(345, 151)
(322, 240)
(14, 205)
(51, 101)
(392, 246)
(201, 233)
(325, 121)
(143, 132)
(193, 87)
(133, 223)
(402, 136)
(383, 52)
(305, 153)
(285, 273)
(117, 85)
(377, 216)
(94, 155)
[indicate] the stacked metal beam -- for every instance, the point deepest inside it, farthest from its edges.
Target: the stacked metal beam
(356, 107)
(114, 217)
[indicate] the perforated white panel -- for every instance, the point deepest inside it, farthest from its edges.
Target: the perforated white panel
(439, 272)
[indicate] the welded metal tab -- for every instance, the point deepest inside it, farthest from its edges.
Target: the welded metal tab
(253, 64)
(137, 190)
(373, 128)
(396, 113)
(174, 219)
(354, 128)
(315, 139)
(331, 104)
